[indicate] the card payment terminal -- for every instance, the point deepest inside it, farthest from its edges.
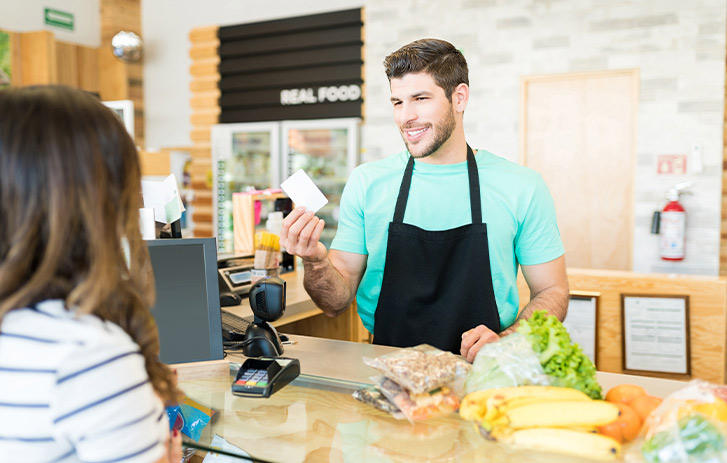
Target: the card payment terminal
(261, 377)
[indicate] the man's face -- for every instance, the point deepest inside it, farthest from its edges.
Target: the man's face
(423, 113)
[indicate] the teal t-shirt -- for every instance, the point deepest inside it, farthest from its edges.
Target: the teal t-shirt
(516, 206)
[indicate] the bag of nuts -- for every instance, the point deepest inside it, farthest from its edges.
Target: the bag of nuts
(422, 368)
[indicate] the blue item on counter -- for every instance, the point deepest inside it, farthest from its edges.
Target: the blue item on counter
(195, 417)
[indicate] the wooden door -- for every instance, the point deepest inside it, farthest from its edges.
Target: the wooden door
(579, 132)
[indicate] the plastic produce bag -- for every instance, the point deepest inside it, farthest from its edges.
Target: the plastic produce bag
(422, 368)
(371, 395)
(505, 363)
(418, 406)
(689, 426)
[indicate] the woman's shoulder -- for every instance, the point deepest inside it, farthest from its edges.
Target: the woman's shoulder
(51, 323)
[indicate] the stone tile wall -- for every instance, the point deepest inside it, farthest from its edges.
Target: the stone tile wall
(678, 47)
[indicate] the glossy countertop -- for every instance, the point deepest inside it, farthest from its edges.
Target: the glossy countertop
(316, 419)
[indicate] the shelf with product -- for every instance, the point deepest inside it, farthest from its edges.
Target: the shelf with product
(249, 214)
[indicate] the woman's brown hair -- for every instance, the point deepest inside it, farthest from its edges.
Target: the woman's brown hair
(70, 189)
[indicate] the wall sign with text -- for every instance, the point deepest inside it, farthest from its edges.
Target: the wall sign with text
(330, 94)
(306, 67)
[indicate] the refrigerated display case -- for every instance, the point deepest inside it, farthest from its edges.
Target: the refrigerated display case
(257, 156)
(328, 151)
(244, 157)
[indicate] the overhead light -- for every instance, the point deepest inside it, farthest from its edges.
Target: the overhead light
(127, 46)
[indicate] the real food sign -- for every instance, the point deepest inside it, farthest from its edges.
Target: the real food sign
(308, 67)
(331, 94)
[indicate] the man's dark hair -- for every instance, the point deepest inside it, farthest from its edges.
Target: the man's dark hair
(437, 58)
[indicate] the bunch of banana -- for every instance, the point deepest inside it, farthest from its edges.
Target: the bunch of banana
(546, 418)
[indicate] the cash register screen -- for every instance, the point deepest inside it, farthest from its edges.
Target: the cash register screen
(187, 308)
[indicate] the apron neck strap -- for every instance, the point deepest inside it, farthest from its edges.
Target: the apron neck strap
(475, 202)
(474, 181)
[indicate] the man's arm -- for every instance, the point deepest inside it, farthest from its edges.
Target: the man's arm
(548, 285)
(332, 283)
(331, 279)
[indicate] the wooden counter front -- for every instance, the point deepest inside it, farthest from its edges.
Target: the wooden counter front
(304, 318)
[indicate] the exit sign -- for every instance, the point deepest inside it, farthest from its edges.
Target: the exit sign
(674, 164)
(57, 18)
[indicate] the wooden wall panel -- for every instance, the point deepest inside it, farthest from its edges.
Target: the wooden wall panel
(67, 64)
(88, 70)
(205, 113)
(707, 314)
(579, 133)
(38, 58)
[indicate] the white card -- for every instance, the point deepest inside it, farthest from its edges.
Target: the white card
(301, 189)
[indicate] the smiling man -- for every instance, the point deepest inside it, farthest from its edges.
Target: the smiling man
(430, 239)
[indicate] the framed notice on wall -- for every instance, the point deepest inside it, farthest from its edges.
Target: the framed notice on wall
(124, 110)
(581, 321)
(655, 335)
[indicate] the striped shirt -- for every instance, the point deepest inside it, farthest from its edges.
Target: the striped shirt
(75, 389)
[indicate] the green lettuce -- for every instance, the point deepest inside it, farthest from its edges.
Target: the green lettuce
(562, 360)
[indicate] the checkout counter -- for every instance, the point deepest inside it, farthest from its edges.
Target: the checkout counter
(315, 418)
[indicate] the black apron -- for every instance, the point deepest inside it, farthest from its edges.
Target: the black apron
(437, 284)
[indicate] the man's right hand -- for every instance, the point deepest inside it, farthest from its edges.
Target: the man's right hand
(301, 233)
(473, 340)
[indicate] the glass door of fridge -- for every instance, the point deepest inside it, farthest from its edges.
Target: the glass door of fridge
(328, 151)
(245, 157)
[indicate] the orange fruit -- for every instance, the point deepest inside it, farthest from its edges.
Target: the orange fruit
(644, 405)
(625, 428)
(624, 393)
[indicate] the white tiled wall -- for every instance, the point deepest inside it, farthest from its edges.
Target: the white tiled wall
(679, 48)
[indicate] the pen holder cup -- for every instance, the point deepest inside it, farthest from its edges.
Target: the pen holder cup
(266, 259)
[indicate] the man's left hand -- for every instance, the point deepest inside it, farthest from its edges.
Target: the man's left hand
(474, 339)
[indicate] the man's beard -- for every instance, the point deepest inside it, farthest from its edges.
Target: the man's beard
(442, 131)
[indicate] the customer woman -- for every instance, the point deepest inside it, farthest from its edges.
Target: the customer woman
(80, 378)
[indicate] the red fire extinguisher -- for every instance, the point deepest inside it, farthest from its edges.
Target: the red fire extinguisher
(673, 225)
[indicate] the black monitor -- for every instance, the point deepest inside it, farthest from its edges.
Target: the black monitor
(187, 309)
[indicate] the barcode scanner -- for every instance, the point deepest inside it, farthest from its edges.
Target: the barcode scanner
(267, 301)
